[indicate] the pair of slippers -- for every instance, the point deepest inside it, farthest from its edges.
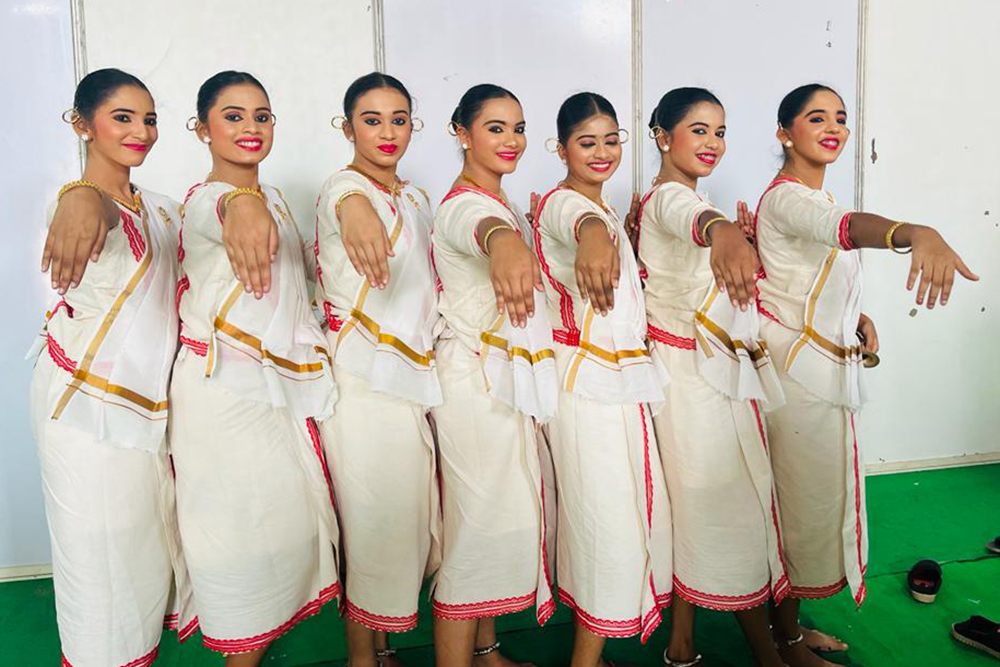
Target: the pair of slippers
(924, 579)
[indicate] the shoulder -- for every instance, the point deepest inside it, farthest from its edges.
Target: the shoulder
(167, 208)
(207, 191)
(347, 179)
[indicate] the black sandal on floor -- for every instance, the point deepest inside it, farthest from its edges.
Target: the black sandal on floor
(924, 581)
(994, 545)
(382, 653)
(979, 633)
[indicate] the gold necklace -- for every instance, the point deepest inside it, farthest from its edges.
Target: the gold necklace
(394, 189)
(135, 205)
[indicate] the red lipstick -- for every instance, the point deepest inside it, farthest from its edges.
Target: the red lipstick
(509, 156)
(388, 149)
(139, 148)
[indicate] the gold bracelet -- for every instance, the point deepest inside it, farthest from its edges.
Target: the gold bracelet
(704, 230)
(341, 198)
(256, 192)
(888, 239)
(78, 184)
(486, 237)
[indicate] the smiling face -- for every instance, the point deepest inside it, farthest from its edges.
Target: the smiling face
(698, 142)
(496, 139)
(381, 127)
(593, 150)
(123, 128)
(819, 133)
(240, 125)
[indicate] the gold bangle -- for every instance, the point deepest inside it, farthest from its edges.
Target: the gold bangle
(72, 185)
(341, 198)
(704, 230)
(888, 239)
(486, 237)
(256, 192)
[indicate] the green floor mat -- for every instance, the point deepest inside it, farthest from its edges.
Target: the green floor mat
(946, 515)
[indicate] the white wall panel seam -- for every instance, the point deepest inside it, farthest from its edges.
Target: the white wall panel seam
(861, 142)
(378, 34)
(79, 59)
(637, 132)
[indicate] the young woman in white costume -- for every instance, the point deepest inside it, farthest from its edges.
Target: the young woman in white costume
(613, 540)
(810, 296)
(703, 327)
(495, 362)
(254, 500)
(99, 392)
(377, 289)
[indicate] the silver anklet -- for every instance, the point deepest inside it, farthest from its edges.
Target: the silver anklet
(480, 652)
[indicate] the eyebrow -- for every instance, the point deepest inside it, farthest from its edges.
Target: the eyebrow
(125, 110)
(698, 123)
(379, 113)
(594, 136)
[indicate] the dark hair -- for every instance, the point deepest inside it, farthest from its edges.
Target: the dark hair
(213, 87)
(795, 101)
(676, 104)
(373, 81)
(472, 102)
(578, 108)
(95, 88)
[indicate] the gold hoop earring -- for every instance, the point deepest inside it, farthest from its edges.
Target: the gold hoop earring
(191, 124)
(341, 124)
(70, 116)
(413, 123)
(452, 128)
(655, 132)
(553, 146)
(621, 139)
(274, 119)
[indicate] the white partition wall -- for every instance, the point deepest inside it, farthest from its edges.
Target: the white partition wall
(40, 153)
(541, 51)
(750, 54)
(304, 53)
(931, 155)
(928, 110)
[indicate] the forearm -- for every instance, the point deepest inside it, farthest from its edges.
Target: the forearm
(868, 230)
(708, 223)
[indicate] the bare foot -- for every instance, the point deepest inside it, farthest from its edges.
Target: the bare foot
(497, 659)
(800, 655)
(820, 641)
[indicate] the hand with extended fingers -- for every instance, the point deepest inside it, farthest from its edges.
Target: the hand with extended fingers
(533, 207)
(77, 234)
(734, 260)
(935, 263)
(366, 241)
(250, 237)
(598, 265)
(515, 275)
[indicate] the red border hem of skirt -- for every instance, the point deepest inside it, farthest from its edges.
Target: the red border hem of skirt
(616, 629)
(144, 661)
(379, 622)
(484, 609)
(249, 644)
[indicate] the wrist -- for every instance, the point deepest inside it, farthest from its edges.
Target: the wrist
(720, 230)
